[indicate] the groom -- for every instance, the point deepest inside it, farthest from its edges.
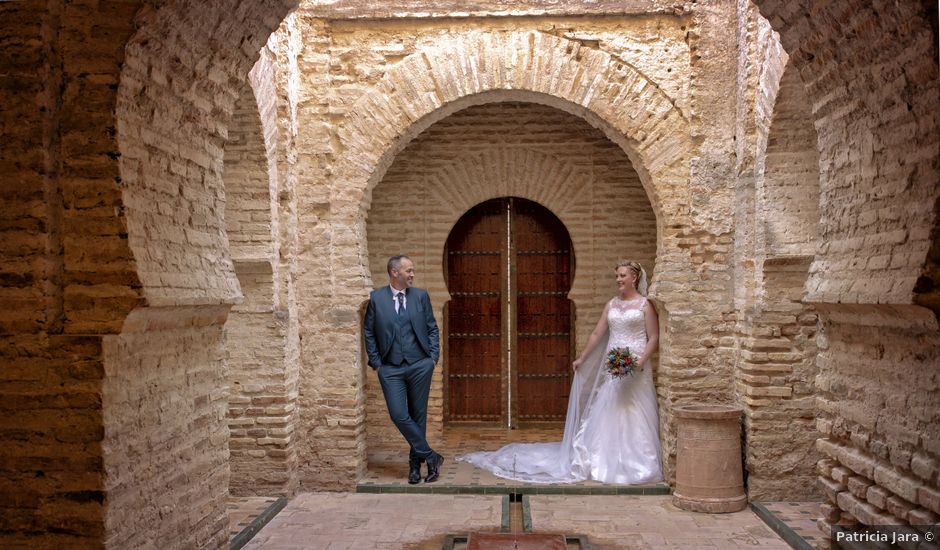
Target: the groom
(403, 344)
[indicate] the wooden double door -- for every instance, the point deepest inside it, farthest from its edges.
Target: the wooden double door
(508, 334)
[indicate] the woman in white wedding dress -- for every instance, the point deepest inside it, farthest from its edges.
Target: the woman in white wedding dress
(612, 427)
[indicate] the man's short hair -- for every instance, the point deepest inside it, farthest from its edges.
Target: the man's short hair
(395, 262)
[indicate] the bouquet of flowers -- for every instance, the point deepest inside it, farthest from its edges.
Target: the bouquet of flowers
(620, 362)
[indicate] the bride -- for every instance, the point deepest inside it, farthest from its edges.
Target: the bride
(612, 428)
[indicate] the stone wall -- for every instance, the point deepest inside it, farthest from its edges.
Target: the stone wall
(507, 149)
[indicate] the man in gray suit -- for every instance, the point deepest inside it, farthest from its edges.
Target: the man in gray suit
(403, 345)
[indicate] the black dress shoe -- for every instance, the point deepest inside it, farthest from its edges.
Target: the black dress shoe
(414, 471)
(434, 467)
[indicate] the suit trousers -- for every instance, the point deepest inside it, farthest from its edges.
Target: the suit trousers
(406, 388)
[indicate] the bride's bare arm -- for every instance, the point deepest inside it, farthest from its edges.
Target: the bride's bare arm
(652, 332)
(594, 339)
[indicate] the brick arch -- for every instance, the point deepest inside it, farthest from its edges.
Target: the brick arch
(525, 66)
(249, 175)
(485, 67)
(163, 392)
(788, 173)
(80, 74)
(480, 68)
(179, 85)
(870, 71)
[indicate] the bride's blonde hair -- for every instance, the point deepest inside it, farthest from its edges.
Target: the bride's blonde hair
(635, 267)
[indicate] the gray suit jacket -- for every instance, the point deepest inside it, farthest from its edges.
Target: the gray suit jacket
(379, 324)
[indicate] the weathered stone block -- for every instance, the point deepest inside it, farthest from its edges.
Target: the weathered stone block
(900, 484)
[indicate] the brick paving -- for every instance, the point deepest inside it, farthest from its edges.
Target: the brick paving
(347, 521)
(242, 510)
(352, 521)
(422, 521)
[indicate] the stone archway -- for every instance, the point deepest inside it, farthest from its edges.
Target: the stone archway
(479, 68)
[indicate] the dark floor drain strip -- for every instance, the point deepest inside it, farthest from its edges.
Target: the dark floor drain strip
(789, 536)
(526, 515)
(255, 525)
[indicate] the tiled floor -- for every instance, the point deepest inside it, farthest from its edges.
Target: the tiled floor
(649, 522)
(421, 521)
(246, 515)
(242, 510)
(412, 521)
(334, 521)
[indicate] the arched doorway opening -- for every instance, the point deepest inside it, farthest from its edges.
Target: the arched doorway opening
(508, 333)
(494, 149)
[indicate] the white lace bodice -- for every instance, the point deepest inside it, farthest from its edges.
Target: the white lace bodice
(627, 324)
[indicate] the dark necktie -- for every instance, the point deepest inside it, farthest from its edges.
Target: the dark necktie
(401, 302)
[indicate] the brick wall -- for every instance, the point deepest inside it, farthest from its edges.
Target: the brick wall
(167, 466)
(778, 173)
(878, 415)
(262, 390)
(67, 274)
(165, 439)
(874, 111)
(870, 73)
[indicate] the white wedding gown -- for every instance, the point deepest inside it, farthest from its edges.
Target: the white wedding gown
(612, 426)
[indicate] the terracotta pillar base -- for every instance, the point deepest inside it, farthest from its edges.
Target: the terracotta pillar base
(710, 505)
(709, 472)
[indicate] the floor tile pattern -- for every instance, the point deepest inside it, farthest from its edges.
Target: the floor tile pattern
(243, 510)
(648, 522)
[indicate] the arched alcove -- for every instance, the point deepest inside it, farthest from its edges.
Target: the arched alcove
(522, 149)
(871, 94)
